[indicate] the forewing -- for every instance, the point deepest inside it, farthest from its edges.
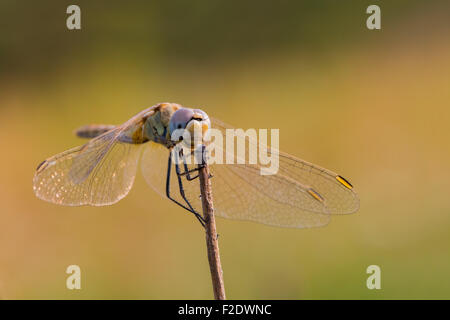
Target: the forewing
(337, 192)
(101, 172)
(299, 195)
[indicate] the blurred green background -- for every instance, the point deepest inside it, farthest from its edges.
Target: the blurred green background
(371, 105)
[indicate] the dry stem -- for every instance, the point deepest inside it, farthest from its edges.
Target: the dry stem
(211, 235)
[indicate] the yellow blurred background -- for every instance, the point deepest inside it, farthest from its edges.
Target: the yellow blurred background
(370, 105)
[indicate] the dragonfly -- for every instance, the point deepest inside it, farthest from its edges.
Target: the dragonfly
(102, 172)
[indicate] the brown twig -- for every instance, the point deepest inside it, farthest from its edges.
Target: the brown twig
(211, 235)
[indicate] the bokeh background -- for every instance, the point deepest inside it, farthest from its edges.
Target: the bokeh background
(371, 105)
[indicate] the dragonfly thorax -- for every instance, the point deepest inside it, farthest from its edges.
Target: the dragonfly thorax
(156, 125)
(170, 123)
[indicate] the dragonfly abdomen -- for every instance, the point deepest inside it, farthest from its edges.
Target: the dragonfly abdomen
(93, 130)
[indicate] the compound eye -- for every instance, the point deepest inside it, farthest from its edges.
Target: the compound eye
(180, 118)
(201, 114)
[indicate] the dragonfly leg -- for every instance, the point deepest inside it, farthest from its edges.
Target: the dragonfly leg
(182, 193)
(190, 209)
(187, 172)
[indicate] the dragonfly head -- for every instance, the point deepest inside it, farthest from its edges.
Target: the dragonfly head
(189, 125)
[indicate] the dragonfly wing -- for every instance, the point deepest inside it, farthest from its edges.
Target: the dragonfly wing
(299, 195)
(101, 172)
(154, 166)
(241, 193)
(338, 193)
